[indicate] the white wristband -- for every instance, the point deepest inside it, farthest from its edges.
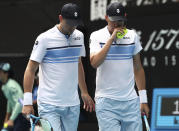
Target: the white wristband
(143, 96)
(27, 98)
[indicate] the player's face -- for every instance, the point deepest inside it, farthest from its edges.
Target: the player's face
(2, 75)
(114, 24)
(69, 29)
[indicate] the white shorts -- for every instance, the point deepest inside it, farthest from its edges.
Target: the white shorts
(114, 115)
(61, 118)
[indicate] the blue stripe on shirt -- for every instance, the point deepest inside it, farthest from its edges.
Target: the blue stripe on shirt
(73, 61)
(122, 49)
(64, 52)
(127, 49)
(60, 59)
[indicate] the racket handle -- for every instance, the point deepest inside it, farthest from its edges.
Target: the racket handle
(146, 122)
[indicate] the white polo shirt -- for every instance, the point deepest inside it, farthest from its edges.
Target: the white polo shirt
(115, 76)
(58, 71)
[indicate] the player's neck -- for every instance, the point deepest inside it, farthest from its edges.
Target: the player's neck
(110, 32)
(4, 81)
(60, 28)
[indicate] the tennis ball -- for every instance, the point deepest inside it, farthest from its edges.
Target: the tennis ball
(5, 125)
(121, 35)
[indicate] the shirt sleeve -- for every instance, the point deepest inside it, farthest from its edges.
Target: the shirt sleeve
(17, 108)
(94, 44)
(8, 107)
(39, 49)
(138, 46)
(83, 51)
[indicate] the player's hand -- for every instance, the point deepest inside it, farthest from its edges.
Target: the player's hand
(88, 102)
(27, 110)
(10, 123)
(144, 109)
(116, 30)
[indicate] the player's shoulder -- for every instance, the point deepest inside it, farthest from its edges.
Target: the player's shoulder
(99, 33)
(42, 37)
(12, 83)
(47, 34)
(131, 32)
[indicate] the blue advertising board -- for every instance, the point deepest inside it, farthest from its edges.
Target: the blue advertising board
(165, 109)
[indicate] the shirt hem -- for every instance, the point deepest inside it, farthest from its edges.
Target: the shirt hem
(118, 99)
(55, 104)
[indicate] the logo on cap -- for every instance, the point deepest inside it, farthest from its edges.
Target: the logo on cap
(118, 11)
(36, 42)
(75, 14)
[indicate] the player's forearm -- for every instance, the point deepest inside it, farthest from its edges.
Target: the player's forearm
(29, 77)
(98, 58)
(28, 80)
(28, 85)
(140, 79)
(8, 114)
(81, 78)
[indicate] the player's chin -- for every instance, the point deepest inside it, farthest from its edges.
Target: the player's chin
(71, 31)
(112, 30)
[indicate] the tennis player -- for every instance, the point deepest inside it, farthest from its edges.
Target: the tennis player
(118, 68)
(57, 53)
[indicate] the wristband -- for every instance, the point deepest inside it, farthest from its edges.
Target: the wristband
(27, 98)
(143, 96)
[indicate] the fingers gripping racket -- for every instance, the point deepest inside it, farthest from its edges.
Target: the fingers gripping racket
(46, 126)
(146, 122)
(44, 123)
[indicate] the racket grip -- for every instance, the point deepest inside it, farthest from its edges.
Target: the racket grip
(146, 122)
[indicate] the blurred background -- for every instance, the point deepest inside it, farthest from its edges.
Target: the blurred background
(155, 21)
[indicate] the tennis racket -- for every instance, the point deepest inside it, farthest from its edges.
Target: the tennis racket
(146, 122)
(46, 126)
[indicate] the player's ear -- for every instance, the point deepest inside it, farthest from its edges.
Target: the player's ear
(106, 18)
(60, 18)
